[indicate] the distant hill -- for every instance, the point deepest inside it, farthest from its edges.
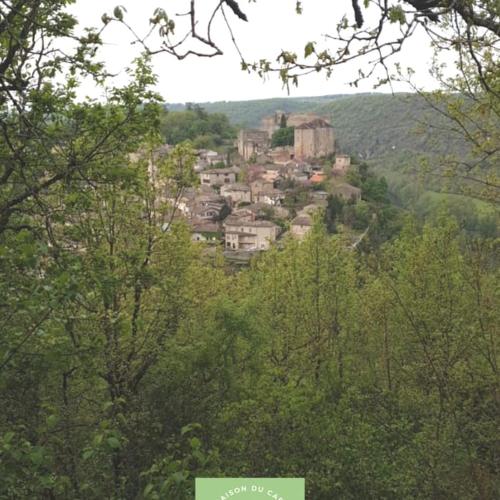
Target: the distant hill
(370, 126)
(249, 113)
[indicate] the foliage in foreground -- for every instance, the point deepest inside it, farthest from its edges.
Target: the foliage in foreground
(374, 376)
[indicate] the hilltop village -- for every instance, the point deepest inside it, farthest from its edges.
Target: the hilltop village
(265, 191)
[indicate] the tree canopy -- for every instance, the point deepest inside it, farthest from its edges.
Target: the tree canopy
(283, 137)
(204, 130)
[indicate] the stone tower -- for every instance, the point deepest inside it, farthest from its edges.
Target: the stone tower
(314, 139)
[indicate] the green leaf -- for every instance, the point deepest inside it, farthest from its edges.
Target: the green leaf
(118, 12)
(114, 442)
(396, 14)
(189, 428)
(309, 49)
(36, 456)
(195, 443)
(179, 477)
(51, 421)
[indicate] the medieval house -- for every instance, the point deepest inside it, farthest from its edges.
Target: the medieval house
(218, 177)
(341, 165)
(237, 193)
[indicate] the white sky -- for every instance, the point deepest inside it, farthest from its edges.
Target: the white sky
(273, 25)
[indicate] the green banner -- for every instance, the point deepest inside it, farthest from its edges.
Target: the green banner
(250, 489)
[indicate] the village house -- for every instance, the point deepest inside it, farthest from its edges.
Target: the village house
(211, 157)
(208, 207)
(259, 186)
(347, 192)
(300, 226)
(245, 213)
(252, 143)
(261, 211)
(249, 235)
(206, 231)
(205, 158)
(341, 165)
(314, 139)
(237, 193)
(273, 197)
(218, 177)
(185, 201)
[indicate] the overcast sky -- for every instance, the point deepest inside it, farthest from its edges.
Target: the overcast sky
(273, 25)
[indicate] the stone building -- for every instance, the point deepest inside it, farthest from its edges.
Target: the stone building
(300, 226)
(206, 231)
(208, 207)
(249, 235)
(218, 177)
(252, 143)
(314, 139)
(260, 185)
(273, 197)
(237, 193)
(347, 192)
(342, 164)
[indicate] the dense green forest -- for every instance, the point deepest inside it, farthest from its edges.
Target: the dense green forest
(133, 361)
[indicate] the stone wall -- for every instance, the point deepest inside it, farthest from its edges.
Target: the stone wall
(252, 142)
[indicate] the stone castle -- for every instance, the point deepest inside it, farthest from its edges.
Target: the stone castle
(314, 137)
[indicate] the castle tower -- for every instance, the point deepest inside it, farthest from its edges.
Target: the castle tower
(314, 139)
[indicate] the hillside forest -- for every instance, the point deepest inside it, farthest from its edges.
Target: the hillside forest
(133, 360)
